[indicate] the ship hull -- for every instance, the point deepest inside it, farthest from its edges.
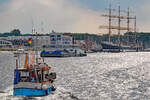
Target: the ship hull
(32, 92)
(109, 47)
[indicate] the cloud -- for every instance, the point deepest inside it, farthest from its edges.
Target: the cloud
(143, 16)
(58, 15)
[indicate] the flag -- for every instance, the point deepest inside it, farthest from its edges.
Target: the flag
(30, 41)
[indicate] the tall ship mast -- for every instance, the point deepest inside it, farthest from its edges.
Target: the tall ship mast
(109, 45)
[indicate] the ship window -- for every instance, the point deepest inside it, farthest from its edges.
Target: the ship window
(24, 76)
(58, 35)
(52, 35)
(24, 73)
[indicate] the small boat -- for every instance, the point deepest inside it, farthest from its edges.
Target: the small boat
(32, 80)
(55, 53)
(63, 53)
(78, 52)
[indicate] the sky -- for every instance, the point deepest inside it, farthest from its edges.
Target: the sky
(67, 15)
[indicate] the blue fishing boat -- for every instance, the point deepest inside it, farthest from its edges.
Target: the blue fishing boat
(35, 79)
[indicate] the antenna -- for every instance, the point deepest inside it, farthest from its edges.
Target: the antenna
(42, 29)
(33, 30)
(36, 50)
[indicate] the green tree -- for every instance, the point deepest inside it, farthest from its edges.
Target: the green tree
(15, 32)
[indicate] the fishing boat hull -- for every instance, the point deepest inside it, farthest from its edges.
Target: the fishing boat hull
(25, 87)
(32, 92)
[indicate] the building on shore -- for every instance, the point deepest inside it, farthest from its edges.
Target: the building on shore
(22, 41)
(53, 40)
(5, 44)
(59, 40)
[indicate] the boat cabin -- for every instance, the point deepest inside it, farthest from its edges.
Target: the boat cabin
(38, 75)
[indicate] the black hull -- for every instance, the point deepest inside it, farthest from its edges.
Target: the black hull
(110, 47)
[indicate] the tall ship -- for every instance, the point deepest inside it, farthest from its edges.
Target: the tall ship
(127, 45)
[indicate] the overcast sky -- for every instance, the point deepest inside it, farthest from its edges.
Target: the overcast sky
(66, 15)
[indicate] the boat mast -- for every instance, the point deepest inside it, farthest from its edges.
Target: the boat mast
(135, 44)
(119, 21)
(36, 49)
(16, 63)
(42, 29)
(118, 27)
(109, 34)
(33, 29)
(128, 26)
(36, 58)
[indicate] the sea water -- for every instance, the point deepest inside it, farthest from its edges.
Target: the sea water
(98, 76)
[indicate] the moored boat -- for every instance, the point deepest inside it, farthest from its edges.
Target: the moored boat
(110, 47)
(55, 53)
(63, 53)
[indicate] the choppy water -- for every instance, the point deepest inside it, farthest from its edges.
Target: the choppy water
(99, 76)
